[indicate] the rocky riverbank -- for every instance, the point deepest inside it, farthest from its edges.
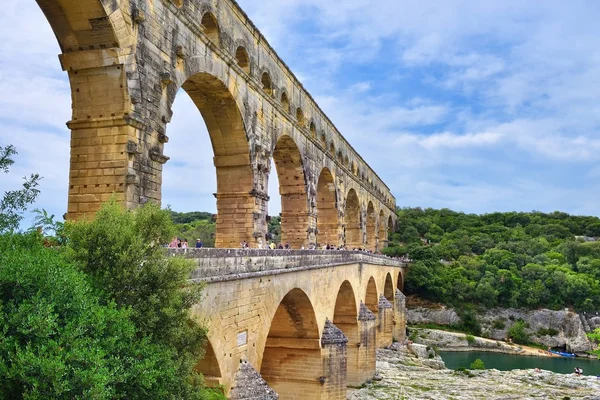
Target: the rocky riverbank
(557, 329)
(416, 374)
(452, 341)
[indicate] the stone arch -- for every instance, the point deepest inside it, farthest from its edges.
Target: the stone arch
(292, 188)
(332, 148)
(267, 83)
(388, 288)
(300, 117)
(232, 158)
(285, 101)
(400, 282)
(313, 129)
(327, 221)
(372, 296)
(210, 27)
(243, 59)
(209, 366)
(371, 226)
(293, 344)
(353, 224)
(382, 237)
(340, 157)
(324, 139)
(353, 168)
(346, 161)
(390, 226)
(345, 317)
(85, 24)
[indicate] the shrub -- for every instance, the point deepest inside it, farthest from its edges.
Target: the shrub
(547, 332)
(477, 364)
(518, 333)
(470, 339)
(499, 324)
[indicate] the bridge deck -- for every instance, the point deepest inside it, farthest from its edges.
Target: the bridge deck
(219, 265)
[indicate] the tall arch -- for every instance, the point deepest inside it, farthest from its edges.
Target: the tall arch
(372, 296)
(327, 222)
(388, 288)
(300, 117)
(292, 345)
(211, 29)
(235, 205)
(292, 188)
(208, 366)
(353, 224)
(345, 317)
(83, 25)
(382, 236)
(371, 227)
(390, 226)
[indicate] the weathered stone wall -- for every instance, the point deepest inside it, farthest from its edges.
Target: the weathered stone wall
(126, 62)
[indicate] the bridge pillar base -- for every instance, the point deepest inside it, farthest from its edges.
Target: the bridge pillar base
(385, 323)
(367, 350)
(335, 363)
(399, 332)
(248, 385)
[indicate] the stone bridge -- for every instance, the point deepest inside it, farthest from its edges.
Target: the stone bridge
(127, 60)
(307, 322)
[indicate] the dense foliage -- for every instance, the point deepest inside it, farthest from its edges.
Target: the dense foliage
(60, 338)
(500, 259)
(122, 253)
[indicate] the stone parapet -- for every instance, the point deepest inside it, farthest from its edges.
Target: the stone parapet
(216, 265)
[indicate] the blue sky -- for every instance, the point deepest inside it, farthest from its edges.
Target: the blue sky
(477, 106)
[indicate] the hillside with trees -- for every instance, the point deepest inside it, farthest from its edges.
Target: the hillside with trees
(512, 259)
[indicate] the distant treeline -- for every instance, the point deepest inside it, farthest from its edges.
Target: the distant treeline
(501, 259)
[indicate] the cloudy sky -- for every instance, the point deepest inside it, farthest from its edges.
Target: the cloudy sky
(473, 105)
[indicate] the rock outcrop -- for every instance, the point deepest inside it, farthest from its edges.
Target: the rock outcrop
(557, 329)
(405, 376)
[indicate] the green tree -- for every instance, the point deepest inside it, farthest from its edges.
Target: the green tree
(121, 251)
(60, 340)
(15, 202)
(595, 336)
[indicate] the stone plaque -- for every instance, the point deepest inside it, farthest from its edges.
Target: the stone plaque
(242, 338)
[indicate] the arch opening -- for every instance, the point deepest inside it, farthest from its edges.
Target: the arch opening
(345, 317)
(382, 239)
(371, 297)
(293, 344)
(327, 221)
(210, 27)
(243, 59)
(292, 189)
(313, 130)
(300, 117)
(208, 366)
(235, 205)
(267, 83)
(400, 282)
(353, 222)
(388, 289)
(285, 102)
(371, 231)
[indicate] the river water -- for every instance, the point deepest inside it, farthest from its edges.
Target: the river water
(507, 362)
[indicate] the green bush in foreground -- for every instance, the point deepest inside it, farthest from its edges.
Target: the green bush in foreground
(121, 251)
(59, 340)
